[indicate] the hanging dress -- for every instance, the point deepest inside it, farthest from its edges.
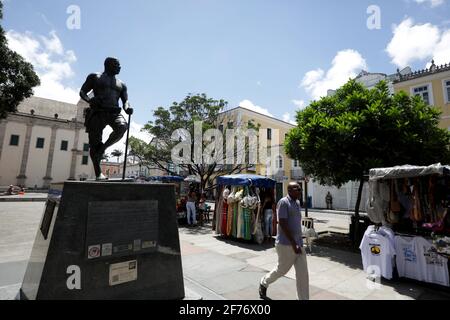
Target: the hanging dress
(230, 218)
(247, 224)
(240, 219)
(223, 226)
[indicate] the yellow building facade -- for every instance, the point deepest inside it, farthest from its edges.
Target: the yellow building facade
(271, 136)
(433, 85)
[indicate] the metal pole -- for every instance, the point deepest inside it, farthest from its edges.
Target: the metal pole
(306, 197)
(126, 148)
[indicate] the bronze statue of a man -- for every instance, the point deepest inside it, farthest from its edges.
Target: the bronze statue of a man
(104, 110)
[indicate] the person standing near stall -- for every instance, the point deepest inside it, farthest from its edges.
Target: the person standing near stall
(268, 208)
(190, 207)
(289, 245)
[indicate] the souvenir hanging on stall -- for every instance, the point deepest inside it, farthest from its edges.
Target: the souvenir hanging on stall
(257, 230)
(240, 217)
(419, 200)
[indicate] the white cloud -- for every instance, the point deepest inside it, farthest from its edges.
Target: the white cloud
(53, 44)
(432, 3)
(287, 118)
(412, 42)
(258, 83)
(346, 64)
(247, 104)
(135, 131)
(300, 104)
(441, 53)
(51, 62)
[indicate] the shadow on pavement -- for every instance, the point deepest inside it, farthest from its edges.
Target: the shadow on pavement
(348, 258)
(320, 221)
(338, 248)
(246, 244)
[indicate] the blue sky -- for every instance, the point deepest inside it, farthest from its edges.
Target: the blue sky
(273, 56)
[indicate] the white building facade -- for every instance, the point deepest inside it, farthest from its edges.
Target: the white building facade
(44, 142)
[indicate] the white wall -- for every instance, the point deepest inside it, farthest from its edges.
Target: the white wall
(344, 198)
(12, 155)
(37, 158)
(62, 159)
(83, 170)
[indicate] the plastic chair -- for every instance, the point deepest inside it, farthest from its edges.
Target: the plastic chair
(308, 231)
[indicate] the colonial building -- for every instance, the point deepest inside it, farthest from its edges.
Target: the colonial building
(136, 169)
(111, 169)
(371, 79)
(272, 133)
(43, 142)
(433, 85)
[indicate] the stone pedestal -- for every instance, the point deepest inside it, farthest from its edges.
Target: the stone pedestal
(106, 240)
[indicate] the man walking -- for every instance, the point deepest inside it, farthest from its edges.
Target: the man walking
(289, 245)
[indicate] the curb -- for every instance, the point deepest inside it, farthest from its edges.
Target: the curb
(23, 200)
(343, 213)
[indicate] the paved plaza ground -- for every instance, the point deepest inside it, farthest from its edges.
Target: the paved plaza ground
(216, 268)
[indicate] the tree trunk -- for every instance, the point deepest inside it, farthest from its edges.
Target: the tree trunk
(202, 184)
(358, 202)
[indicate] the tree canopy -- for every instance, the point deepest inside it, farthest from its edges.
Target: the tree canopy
(116, 153)
(183, 115)
(340, 138)
(17, 77)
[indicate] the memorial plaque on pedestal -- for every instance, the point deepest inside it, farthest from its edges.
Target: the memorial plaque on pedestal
(106, 240)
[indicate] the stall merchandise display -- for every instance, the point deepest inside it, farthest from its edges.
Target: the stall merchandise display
(240, 215)
(377, 253)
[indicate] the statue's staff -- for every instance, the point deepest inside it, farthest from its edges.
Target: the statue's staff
(126, 147)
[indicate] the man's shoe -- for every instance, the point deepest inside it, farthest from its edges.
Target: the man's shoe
(101, 177)
(262, 292)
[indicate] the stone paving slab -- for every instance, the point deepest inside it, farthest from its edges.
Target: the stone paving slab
(334, 273)
(10, 292)
(233, 281)
(12, 272)
(27, 197)
(209, 264)
(244, 256)
(334, 277)
(355, 288)
(188, 249)
(270, 257)
(282, 289)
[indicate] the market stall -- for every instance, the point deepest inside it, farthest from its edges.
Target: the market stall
(238, 211)
(181, 191)
(410, 235)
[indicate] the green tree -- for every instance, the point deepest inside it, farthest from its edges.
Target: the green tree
(340, 138)
(182, 115)
(17, 77)
(116, 153)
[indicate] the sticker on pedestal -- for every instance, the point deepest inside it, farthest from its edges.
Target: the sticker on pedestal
(94, 251)
(122, 272)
